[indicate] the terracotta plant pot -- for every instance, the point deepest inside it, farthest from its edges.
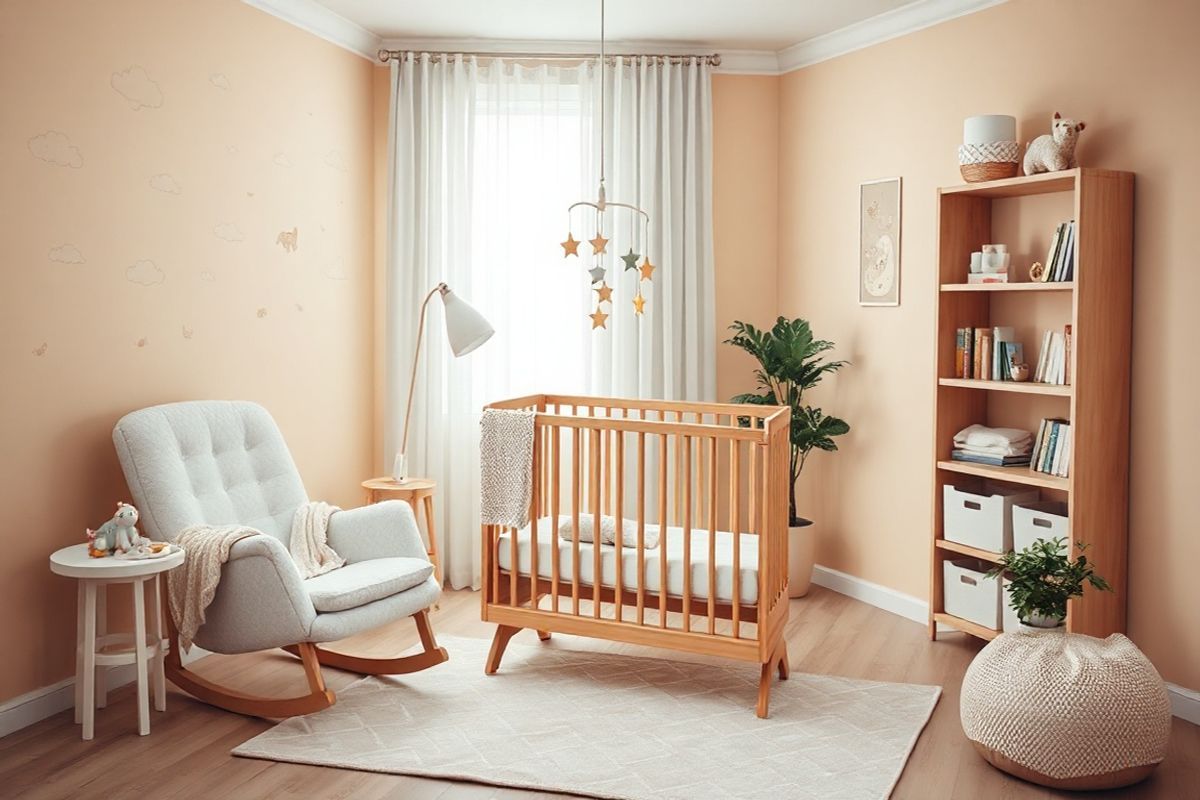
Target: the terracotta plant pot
(802, 549)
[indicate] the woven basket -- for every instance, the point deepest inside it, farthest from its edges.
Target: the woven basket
(1066, 710)
(989, 162)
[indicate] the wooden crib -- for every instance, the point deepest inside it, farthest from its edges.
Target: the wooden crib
(710, 478)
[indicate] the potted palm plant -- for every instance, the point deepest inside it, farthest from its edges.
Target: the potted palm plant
(790, 362)
(1042, 578)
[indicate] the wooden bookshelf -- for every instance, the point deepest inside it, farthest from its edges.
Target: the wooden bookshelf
(1098, 306)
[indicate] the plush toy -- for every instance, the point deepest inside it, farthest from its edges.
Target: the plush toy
(118, 534)
(1054, 151)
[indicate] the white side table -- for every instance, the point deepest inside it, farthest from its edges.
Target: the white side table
(95, 647)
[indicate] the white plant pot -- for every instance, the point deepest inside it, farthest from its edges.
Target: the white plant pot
(1042, 624)
(802, 548)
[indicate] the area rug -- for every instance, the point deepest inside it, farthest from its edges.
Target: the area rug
(615, 726)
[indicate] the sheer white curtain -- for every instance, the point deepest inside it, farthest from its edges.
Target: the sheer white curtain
(483, 161)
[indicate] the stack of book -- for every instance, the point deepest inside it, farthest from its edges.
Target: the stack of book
(997, 447)
(1052, 448)
(986, 353)
(1060, 261)
(1054, 362)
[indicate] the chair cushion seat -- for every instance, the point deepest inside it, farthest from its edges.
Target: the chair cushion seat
(365, 582)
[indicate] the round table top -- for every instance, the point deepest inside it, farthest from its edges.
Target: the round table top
(74, 562)
(391, 485)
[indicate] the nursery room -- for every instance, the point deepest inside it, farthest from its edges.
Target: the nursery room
(660, 400)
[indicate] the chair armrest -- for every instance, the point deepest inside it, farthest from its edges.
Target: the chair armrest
(382, 530)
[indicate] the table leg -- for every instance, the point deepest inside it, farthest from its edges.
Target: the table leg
(89, 660)
(160, 678)
(101, 630)
(80, 608)
(139, 637)
(431, 528)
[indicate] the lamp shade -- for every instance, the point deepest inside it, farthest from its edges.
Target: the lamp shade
(465, 327)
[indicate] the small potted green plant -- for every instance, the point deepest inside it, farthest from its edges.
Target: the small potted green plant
(1042, 578)
(791, 361)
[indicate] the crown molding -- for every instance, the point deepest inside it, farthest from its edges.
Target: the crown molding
(318, 20)
(880, 28)
(315, 18)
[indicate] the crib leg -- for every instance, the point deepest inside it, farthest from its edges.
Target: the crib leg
(777, 661)
(499, 642)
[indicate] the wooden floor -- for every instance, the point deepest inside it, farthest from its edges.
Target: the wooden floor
(187, 753)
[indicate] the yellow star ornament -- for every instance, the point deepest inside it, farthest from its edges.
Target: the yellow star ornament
(570, 246)
(598, 319)
(639, 304)
(599, 244)
(604, 292)
(647, 269)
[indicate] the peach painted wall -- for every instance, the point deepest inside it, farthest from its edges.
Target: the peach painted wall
(745, 214)
(152, 152)
(1129, 70)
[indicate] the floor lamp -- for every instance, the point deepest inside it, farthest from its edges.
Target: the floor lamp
(466, 329)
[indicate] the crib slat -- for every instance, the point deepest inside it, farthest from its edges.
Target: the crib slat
(594, 474)
(619, 514)
(641, 523)
(712, 536)
(764, 541)
(554, 537)
(533, 522)
(494, 557)
(575, 445)
(753, 487)
(687, 534)
(662, 530)
(735, 514)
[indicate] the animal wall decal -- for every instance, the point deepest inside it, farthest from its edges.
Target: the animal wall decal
(288, 239)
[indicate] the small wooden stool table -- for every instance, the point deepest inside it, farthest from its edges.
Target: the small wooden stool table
(94, 647)
(418, 493)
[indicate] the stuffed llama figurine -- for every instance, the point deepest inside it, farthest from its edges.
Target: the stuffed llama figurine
(119, 533)
(1054, 151)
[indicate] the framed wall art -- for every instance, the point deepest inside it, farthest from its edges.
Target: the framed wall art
(879, 243)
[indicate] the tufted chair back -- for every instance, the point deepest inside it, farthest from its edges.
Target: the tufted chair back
(211, 462)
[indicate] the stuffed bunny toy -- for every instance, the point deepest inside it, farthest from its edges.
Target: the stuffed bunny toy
(120, 533)
(1054, 151)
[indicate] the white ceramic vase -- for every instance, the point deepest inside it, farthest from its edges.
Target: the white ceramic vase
(802, 548)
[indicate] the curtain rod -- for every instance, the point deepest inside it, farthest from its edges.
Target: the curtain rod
(712, 59)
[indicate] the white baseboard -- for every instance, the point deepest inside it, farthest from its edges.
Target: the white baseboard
(24, 710)
(1185, 703)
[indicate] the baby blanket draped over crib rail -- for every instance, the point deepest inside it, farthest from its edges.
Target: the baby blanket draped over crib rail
(693, 499)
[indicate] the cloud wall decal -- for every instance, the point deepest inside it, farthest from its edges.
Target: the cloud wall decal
(165, 183)
(229, 232)
(66, 254)
(55, 148)
(136, 86)
(145, 272)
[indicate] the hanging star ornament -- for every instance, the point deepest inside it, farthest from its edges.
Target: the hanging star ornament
(599, 244)
(647, 269)
(604, 292)
(597, 272)
(598, 319)
(630, 260)
(570, 246)
(639, 304)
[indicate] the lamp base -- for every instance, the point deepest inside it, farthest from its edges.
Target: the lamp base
(400, 468)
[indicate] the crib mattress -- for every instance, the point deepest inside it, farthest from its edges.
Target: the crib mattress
(672, 549)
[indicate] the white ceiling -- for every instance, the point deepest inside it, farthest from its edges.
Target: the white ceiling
(752, 36)
(737, 24)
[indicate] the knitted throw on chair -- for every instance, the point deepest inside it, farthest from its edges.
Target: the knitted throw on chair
(190, 587)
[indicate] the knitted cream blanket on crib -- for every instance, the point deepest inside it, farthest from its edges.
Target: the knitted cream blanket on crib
(506, 467)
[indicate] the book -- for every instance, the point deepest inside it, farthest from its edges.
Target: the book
(968, 352)
(977, 354)
(1067, 354)
(986, 359)
(1066, 464)
(1053, 254)
(1066, 258)
(1014, 353)
(1000, 334)
(958, 353)
(994, 461)
(1048, 457)
(1064, 447)
(1037, 442)
(1040, 373)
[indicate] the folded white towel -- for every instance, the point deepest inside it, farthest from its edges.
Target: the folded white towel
(983, 436)
(997, 450)
(608, 531)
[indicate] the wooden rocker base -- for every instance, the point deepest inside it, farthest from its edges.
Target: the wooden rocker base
(312, 657)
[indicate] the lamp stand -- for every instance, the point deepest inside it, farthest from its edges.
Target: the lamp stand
(400, 463)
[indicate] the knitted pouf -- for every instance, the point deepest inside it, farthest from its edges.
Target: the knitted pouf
(1066, 710)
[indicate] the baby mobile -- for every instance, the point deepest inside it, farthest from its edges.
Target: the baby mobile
(640, 222)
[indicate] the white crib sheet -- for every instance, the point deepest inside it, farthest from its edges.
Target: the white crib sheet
(674, 554)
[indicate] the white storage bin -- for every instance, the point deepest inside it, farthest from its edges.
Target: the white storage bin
(1033, 521)
(1011, 621)
(968, 593)
(982, 520)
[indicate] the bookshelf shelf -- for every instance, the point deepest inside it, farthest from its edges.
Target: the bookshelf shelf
(1022, 475)
(1053, 286)
(1026, 387)
(1097, 304)
(967, 550)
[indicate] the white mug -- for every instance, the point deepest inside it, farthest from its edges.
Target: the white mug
(977, 262)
